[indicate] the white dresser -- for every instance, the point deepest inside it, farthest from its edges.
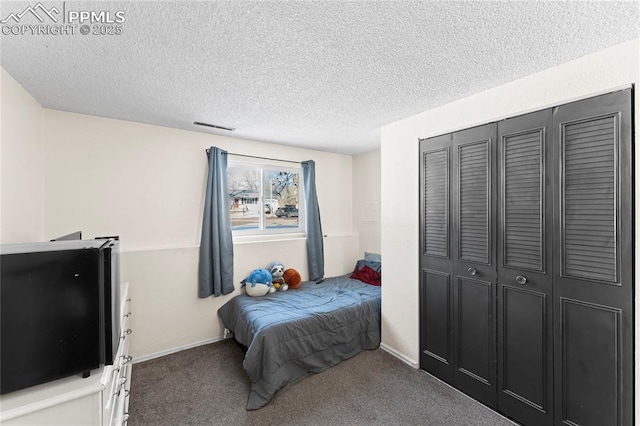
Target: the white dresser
(99, 400)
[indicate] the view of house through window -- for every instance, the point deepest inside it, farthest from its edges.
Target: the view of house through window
(264, 199)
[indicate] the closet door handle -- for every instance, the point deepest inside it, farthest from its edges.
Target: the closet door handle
(521, 280)
(472, 271)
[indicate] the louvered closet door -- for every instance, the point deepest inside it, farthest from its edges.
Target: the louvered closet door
(525, 269)
(593, 277)
(474, 263)
(436, 261)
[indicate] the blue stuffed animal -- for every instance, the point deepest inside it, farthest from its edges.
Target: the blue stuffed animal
(258, 283)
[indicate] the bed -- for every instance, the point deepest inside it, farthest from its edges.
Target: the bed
(293, 333)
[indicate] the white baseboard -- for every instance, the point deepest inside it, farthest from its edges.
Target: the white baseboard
(178, 349)
(148, 357)
(401, 357)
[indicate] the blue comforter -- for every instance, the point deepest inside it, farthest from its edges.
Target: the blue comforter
(289, 334)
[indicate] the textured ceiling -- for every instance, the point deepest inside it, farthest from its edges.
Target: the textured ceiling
(317, 74)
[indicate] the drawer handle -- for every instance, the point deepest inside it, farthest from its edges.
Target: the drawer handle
(126, 359)
(126, 332)
(127, 315)
(121, 384)
(472, 271)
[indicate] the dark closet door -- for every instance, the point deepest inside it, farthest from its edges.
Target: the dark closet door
(474, 263)
(593, 296)
(525, 277)
(436, 261)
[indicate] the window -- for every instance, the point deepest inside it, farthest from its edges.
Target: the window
(265, 199)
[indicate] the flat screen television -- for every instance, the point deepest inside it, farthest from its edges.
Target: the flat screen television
(59, 310)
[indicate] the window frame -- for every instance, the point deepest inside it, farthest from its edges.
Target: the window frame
(262, 231)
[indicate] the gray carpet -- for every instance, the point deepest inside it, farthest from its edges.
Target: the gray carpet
(207, 386)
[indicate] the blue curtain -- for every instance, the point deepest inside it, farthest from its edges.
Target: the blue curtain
(215, 269)
(315, 245)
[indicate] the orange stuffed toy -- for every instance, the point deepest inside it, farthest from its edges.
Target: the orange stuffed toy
(292, 278)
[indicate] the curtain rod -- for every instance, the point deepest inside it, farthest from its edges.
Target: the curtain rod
(260, 158)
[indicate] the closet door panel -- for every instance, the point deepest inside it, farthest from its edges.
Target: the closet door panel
(522, 196)
(474, 198)
(475, 345)
(436, 202)
(437, 325)
(525, 281)
(436, 260)
(589, 192)
(592, 336)
(593, 293)
(474, 250)
(525, 363)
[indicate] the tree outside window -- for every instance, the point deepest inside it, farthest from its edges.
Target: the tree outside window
(264, 199)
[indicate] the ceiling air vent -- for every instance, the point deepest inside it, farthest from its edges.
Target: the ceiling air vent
(215, 126)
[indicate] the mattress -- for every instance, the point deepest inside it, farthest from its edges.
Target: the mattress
(307, 330)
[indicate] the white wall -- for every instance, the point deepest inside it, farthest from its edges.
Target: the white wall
(366, 200)
(21, 164)
(590, 75)
(146, 184)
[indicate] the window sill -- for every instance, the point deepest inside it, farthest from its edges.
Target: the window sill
(266, 238)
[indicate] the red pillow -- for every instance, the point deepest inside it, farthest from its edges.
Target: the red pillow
(367, 275)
